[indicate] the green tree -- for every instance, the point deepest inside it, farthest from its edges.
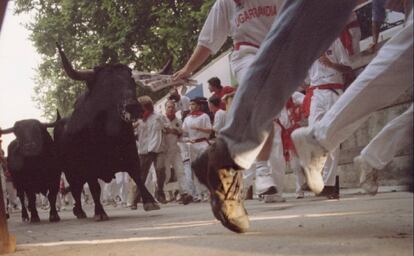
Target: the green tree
(142, 34)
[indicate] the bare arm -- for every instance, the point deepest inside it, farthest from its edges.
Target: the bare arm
(375, 36)
(199, 56)
(339, 67)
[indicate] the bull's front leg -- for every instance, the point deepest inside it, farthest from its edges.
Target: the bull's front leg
(25, 216)
(76, 189)
(100, 214)
(34, 216)
(52, 195)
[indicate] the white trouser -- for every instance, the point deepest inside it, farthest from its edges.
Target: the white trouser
(395, 136)
(240, 60)
(87, 192)
(62, 199)
(196, 149)
(385, 79)
(321, 102)
(261, 174)
(248, 177)
(173, 159)
(151, 181)
(270, 173)
(277, 160)
(109, 190)
(122, 179)
(297, 170)
(188, 173)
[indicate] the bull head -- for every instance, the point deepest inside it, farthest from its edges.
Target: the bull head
(11, 129)
(78, 75)
(30, 134)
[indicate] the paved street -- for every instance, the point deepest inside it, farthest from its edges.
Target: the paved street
(355, 225)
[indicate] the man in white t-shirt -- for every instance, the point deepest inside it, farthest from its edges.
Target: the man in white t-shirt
(182, 102)
(173, 158)
(246, 22)
(214, 104)
(326, 77)
(197, 129)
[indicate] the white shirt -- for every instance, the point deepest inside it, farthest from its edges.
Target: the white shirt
(219, 120)
(171, 140)
(183, 104)
(320, 74)
(248, 22)
(201, 121)
(150, 134)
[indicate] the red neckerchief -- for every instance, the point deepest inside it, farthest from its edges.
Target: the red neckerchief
(196, 113)
(170, 116)
(346, 37)
(146, 115)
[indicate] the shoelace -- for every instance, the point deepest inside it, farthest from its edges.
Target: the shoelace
(235, 187)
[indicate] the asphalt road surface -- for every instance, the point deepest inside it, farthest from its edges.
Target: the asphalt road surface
(354, 225)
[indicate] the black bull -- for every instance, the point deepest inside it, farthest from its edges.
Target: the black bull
(97, 140)
(32, 163)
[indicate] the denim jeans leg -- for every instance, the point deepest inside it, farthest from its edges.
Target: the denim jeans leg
(301, 33)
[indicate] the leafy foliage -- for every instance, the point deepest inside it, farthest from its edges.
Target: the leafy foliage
(142, 34)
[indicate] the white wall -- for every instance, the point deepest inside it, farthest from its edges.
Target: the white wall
(218, 67)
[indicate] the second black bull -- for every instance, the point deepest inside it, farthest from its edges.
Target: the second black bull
(97, 140)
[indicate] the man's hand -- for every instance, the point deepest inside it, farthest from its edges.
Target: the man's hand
(183, 73)
(339, 67)
(372, 48)
(325, 61)
(199, 56)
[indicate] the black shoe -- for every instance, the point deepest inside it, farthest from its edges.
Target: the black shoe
(186, 199)
(160, 196)
(270, 191)
(224, 179)
(329, 192)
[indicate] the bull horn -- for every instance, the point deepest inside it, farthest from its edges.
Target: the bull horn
(79, 75)
(49, 125)
(8, 130)
(167, 67)
(58, 117)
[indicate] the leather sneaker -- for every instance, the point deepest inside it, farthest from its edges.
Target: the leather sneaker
(224, 179)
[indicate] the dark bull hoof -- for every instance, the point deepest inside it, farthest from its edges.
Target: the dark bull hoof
(54, 218)
(79, 213)
(100, 217)
(151, 206)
